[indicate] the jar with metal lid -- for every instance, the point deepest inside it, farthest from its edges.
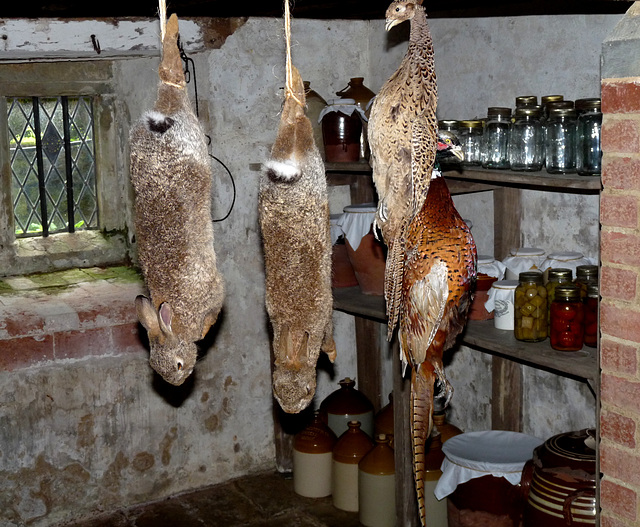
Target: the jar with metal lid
(591, 304)
(544, 102)
(341, 130)
(566, 320)
(526, 140)
(586, 275)
(560, 141)
(470, 136)
(556, 277)
(524, 101)
(530, 324)
(450, 125)
(588, 131)
(496, 138)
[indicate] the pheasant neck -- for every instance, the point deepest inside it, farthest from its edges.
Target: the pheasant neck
(419, 33)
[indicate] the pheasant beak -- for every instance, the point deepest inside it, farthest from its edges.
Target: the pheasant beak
(391, 22)
(457, 151)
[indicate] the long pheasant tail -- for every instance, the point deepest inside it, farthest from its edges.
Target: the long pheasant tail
(422, 382)
(393, 275)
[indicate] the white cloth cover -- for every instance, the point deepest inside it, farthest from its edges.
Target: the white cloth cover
(497, 453)
(491, 267)
(345, 106)
(336, 230)
(356, 222)
(521, 260)
(567, 260)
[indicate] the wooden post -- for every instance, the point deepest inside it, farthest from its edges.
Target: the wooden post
(406, 501)
(368, 344)
(507, 214)
(506, 396)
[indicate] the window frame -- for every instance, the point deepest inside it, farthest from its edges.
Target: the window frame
(106, 245)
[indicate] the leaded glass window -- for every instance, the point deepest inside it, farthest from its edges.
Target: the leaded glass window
(53, 184)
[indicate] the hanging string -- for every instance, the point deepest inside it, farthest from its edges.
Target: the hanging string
(162, 13)
(289, 93)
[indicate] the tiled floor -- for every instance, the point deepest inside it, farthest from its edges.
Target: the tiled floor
(262, 500)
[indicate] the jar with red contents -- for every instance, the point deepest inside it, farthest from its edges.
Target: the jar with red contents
(591, 316)
(567, 319)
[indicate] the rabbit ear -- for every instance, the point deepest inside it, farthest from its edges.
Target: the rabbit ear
(164, 316)
(147, 315)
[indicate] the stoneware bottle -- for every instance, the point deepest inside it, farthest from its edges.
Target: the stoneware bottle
(348, 404)
(351, 447)
(376, 486)
(436, 509)
(312, 448)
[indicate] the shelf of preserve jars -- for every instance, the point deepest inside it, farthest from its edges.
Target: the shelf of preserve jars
(483, 335)
(542, 178)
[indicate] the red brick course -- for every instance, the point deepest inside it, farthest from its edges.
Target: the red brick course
(619, 284)
(621, 96)
(618, 428)
(618, 358)
(622, 500)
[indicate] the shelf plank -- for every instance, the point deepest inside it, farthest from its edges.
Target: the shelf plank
(483, 335)
(542, 179)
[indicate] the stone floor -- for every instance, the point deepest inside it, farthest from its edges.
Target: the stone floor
(262, 500)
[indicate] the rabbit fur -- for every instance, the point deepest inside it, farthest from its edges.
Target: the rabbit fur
(171, 176)
(294, 220)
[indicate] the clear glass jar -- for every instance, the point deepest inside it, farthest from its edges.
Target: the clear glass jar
(591, 304)
(585, 276)
(544, 102)
(566, 329)
(526, 101)
(589, 127)
(496, 138)
(560, 141)
(530, 324)
(449, 125)
(470, 135)
(556, 277)
(526, 140)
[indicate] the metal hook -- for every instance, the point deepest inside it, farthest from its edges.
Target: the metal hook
(96, 44)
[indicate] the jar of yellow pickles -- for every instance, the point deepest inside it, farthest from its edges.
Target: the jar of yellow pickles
(530, 324)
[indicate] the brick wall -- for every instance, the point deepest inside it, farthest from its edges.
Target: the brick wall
(620, 307)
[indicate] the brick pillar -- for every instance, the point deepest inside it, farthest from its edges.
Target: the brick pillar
(620, 258)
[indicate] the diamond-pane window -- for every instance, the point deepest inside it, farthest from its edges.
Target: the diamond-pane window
(53, 184)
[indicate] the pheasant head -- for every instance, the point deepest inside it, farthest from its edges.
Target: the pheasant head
(401, 10)
(449, 149)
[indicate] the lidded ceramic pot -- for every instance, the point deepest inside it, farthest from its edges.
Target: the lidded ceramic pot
(560, 481)
(501, 303)
(351, 447)
(366, 254)
(348, 404)
(341, 130)
(362, 95)
(312, 450)
(376, 486)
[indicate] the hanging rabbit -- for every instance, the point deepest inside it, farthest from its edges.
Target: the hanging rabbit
(171, 176)
(294, 219)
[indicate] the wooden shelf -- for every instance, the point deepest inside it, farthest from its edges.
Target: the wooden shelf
(543, 179)
(483, 335)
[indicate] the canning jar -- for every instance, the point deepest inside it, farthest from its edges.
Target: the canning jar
(560, 141)
(496, 138)
(591, 316)
(524, 101)
(544, 102)
(450, 125)
(530, 324)
(586, 275)
(470, 136)
(567, 319)
(556, 277)
(526, 140)
(589, 126)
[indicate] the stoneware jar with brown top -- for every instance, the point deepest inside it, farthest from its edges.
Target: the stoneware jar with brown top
(376, 486)
(351, 447)
(347, 404)
(312, 449)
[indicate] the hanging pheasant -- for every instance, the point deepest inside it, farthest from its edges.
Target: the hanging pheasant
(439, 275)
(409, 93)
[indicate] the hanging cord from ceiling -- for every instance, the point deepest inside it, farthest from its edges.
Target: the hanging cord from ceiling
(189, 65)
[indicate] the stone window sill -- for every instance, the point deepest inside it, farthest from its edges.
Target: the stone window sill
(66, 315)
